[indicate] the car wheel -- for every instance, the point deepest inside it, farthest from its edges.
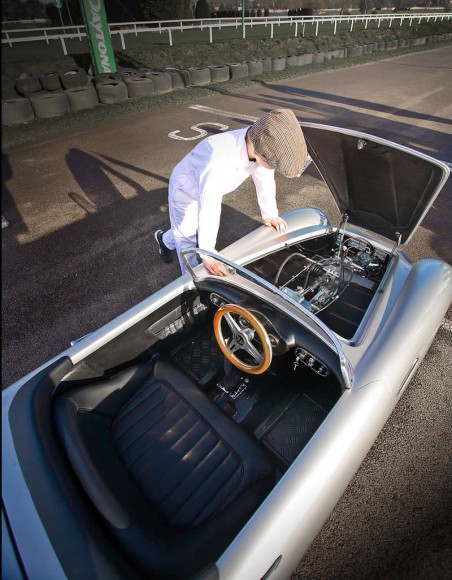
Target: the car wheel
(50, 105)
(82, 97)
(139, 86)
(74, 78)
(51, 81)
(16, 111)
(27, 84)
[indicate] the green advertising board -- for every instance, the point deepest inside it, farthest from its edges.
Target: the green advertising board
(99, 36)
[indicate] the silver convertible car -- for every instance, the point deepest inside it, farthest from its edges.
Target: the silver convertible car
(209, 431)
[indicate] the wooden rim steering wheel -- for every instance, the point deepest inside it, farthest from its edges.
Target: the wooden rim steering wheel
(243, 327)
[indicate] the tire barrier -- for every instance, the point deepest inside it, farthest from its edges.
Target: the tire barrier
(99, 78)
(27, 84)
(267, 65)
(292, 60)
(318, 57)
(55, 93)
(51, 81)
(219, 73)
(238, 70)
(306, 59)
(139, 86)
(16, 111)
(180, 79)
(279, 63)
(199, 75)
(111, 92)
(49, 105)
(82, 97)
(162, 81)
(255, 67)
(126, 73)
(74, 78)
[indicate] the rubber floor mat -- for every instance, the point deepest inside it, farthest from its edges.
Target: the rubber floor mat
(201, 358)
(293, 429)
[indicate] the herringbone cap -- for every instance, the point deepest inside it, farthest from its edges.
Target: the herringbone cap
(278, 139)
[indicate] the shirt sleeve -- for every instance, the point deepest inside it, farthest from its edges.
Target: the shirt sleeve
(264, 180)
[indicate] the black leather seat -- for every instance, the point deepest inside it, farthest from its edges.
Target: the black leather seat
(174, 478)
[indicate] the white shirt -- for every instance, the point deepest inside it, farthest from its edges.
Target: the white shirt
(215, 167)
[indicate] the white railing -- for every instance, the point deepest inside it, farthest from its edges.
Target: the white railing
(122, 29)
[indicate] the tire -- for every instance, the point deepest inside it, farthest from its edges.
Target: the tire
(74, 78)
(255, 67)
(279, 63)
(266, 65)
(306, 59)
(111, 92)
(318, 57)
(292, 60)
(238, 70)
(126, 73)
(16, 111)
(219, 73)
(100, 78)
(162, 81)
(82, 97)
(139, 86)
(180, 79)
(51, 81)
(54, 104)
(27, 84)
(199, 76)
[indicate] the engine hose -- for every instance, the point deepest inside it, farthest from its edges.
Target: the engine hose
(280, 269)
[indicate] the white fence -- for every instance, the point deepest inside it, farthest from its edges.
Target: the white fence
(169, 27)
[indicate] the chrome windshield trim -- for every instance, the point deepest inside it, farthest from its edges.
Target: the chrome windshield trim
(333, 342)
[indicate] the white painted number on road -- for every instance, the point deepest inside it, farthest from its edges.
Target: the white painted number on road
(197, 129)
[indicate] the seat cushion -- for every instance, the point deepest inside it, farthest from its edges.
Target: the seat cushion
(174, 478)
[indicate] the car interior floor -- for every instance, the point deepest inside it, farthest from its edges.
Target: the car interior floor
(281, 407)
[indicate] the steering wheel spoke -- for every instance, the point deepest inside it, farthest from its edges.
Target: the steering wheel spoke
(242, 337)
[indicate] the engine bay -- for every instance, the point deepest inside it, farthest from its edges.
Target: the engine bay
(334, 276)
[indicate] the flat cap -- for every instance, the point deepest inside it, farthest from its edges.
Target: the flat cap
(278, 139)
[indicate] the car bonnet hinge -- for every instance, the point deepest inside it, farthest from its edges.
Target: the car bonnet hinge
(397, 243)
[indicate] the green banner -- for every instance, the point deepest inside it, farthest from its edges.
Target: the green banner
(98, 36)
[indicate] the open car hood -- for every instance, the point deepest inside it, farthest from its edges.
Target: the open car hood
(383, 187)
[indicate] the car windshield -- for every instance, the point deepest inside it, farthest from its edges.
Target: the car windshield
(243, 278)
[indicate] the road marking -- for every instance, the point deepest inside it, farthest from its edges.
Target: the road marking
(229, 114)
(196, 128)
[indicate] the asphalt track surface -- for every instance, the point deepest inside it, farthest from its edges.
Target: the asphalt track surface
(79, 250)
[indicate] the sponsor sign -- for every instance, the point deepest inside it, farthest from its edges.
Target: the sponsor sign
(99, 36)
